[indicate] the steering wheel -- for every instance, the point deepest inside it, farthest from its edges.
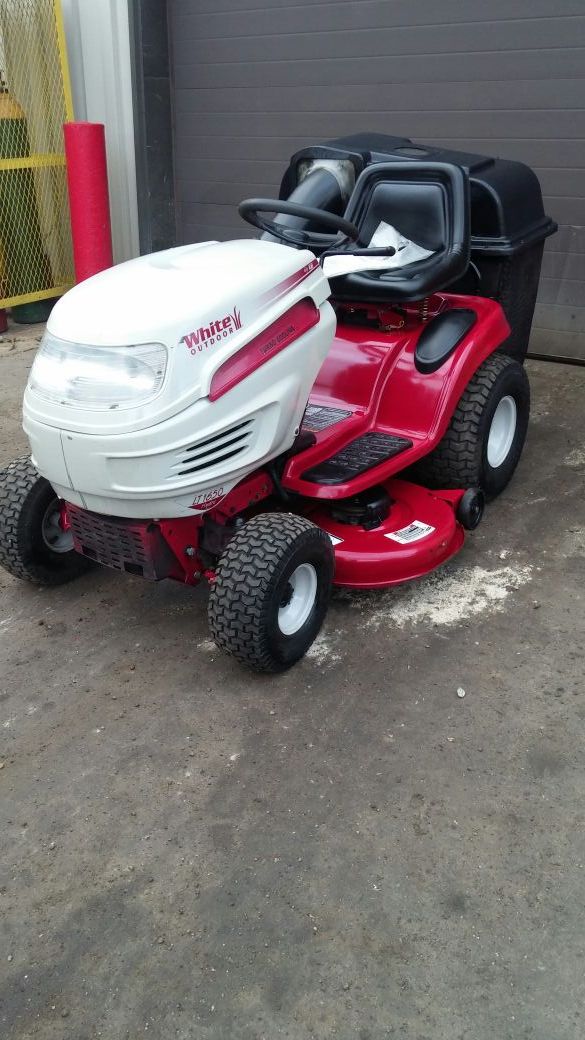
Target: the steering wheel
(250, 210)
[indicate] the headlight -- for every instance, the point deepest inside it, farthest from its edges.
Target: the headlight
(98, 378)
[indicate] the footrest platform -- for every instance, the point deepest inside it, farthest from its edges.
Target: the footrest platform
(359, 455)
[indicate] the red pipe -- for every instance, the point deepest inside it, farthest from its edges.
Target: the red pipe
(89, 204)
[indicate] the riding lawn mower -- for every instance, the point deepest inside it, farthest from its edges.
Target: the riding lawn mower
(329, 403)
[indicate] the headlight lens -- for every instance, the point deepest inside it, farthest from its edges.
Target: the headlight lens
(98, 378)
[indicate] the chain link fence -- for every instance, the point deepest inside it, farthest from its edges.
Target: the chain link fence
(35, 100)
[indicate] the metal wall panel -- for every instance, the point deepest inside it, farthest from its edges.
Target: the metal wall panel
(254, 80)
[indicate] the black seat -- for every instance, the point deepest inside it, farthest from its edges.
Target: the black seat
(427, 203)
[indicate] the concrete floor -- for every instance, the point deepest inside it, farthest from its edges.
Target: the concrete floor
(347, 851)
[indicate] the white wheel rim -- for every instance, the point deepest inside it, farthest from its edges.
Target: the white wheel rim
(54, 537)
(299, 599)
(502, 432)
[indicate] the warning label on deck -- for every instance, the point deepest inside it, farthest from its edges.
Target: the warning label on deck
(413, 533)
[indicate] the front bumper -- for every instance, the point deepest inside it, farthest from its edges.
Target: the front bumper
(150, 549)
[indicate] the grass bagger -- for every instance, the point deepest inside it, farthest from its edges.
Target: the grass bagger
(326, 404)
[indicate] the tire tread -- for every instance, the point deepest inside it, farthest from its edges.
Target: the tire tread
(456, 461)
(16, 481)
(248, 570)
(20, 486)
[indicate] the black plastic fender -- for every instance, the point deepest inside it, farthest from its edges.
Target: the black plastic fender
(440, 337)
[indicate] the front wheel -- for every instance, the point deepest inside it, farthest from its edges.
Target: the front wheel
(34, 545)
(484, 440)
(271, 591)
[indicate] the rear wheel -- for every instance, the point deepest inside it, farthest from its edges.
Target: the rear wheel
(484, 441)
(271, 591)
(34, 545)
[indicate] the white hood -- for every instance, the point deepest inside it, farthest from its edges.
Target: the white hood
(164, 296)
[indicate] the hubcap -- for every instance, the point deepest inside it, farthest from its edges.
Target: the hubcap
(54, 537)
(298, 599)
(502, 432)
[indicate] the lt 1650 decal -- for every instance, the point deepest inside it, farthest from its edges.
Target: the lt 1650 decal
(208, 499)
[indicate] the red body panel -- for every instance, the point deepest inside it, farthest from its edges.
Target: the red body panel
(158, 549)
(373, 374)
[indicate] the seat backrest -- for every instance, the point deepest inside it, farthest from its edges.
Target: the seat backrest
(418, 211)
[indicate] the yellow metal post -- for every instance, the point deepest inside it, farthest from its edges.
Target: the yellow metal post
(63, 60)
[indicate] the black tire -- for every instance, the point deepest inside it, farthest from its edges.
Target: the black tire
(460, 460)
(26, 500)
(252, 583)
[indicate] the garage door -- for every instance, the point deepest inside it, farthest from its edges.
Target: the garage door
(255, 80)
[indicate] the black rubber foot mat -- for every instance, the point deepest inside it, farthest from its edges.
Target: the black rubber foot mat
(364, 453)
(319, 416)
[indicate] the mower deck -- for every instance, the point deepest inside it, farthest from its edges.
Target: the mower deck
(420, 533)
